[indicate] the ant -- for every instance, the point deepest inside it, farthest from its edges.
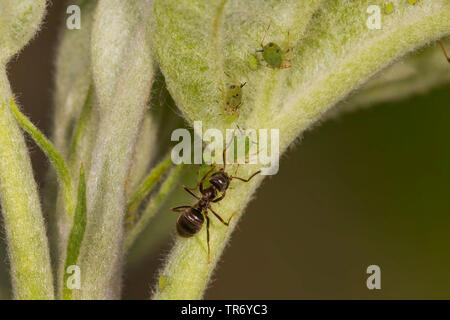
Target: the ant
(191, 220)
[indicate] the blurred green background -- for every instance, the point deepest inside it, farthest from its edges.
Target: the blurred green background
(371, 187)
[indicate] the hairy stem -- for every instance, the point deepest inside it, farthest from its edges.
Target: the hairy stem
(24, 225)
(146, 186)
(55, 158)
(122, 64)
(334, 54)
(153, 206)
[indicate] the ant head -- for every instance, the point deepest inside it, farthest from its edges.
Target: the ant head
(220, 180)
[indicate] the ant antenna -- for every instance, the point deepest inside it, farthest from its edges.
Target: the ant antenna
(443, 50)
(235, 172)
(225, 151)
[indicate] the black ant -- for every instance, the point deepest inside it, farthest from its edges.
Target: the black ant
(190, 222)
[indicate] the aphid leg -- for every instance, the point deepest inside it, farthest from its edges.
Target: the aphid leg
(289, 43)
(223, 96)
(227, 223)
(179, 209)
(246, 180)
(125, 186)
(443, 50)
(265, 33)
(285, 66)
(289, 49)
(207, 238)
(191, 193)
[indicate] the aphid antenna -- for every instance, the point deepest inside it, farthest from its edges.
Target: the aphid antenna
(265, 33)
(235, 80)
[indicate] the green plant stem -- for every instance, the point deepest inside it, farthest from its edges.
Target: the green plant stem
(76, 234)
(28, 251)
(81, 124)
(147, 185)
(123, 66)
(55, 158)
(153, 206)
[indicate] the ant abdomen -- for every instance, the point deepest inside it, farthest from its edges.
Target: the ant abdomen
(190, 222)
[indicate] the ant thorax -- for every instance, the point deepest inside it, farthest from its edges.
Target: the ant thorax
(208, 194)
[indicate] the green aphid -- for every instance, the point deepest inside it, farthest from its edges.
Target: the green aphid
(233, 96)
(412, 2)
(389, 7)
(253, 62)
(273, 55)
(162, 282)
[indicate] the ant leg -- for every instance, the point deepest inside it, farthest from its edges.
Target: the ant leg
(179, 209)
(191, 193)
(220, 198)
(443, 49)
(225, 152)
(285, 66)
(207, 237)
(220, 218)
(200, 183)
(246, 180)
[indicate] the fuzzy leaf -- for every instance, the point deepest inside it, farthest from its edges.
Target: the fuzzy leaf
(28, 251)
(19, 21)
(334, 52)
(73, 77)
(416, 74)
(123, 68)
